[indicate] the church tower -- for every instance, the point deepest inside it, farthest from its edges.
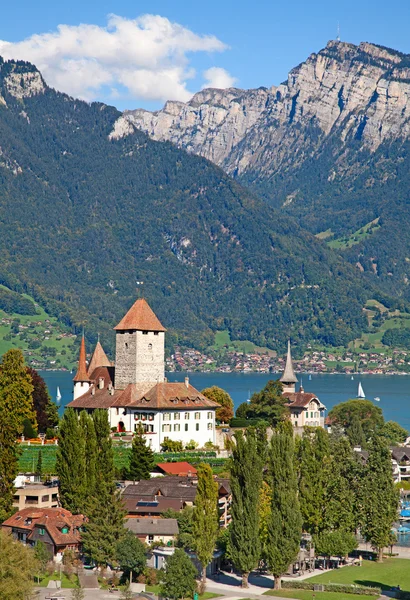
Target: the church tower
(289, 378)
(139, 347)
(81, 380)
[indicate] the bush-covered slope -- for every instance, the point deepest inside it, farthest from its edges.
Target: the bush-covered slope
(83, 218)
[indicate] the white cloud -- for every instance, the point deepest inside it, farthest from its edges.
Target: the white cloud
(147, 57)
(216, 77)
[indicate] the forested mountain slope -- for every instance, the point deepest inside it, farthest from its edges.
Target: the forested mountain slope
(83, 217)
(329, 146)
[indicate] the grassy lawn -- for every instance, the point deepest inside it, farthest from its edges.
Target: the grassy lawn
(206, 596)
(390, 573)
(308, 595)
(65, 582)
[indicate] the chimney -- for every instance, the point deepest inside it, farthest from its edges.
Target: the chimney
(186, 382)
(100, 383)
(111, 391)
(92, 391)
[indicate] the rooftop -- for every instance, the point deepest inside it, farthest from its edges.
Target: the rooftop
(140, 317)
(148, 526)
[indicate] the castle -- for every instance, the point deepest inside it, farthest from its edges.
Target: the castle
(135, 391)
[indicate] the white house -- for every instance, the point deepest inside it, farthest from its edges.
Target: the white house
(135, 391)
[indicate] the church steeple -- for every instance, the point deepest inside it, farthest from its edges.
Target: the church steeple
(98, 359)
(289, 378)
(81, 379)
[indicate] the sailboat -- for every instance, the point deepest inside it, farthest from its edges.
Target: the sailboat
(377, 399)
(352, 378)
(310, 377)
(360, 391)
(58, 395)
(248, 399)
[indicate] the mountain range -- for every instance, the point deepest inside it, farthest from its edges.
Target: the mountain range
(87, 211)
(329, 146)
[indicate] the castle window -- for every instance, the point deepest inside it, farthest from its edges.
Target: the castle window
(166, 428)
(167, 416)
(186, 426)
(209, 426)
(155, 332)
(126, 345)
(186, 416)
(197, 426)
(197, 416)
(149, 346)
(177, 427)
(145, 333)
(209, 415)
(177, 416)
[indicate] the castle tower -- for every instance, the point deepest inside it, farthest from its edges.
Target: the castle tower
(81, 379)
(139, 347)
(289, 378)
(98, 359)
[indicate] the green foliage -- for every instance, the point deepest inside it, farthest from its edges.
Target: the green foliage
(268, 404)
(28, 430)
(130, 554)
(71, 463)
(334, 543)
(394, 433)
(348, 414)
(77, 593)
(18, 566)
(46, 410)
(225, 411)
(178, 578)
(142, 457)
(205, 518)
(168, 445)
(39, 465)
(397, 338)
(380, 498)
(185, 525)
(16, 390)
(246, 480)
(42, 555)
(12, 302)
(360, 590)
(285, 523)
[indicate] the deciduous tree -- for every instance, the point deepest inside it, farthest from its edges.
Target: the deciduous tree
(225, 411)
(131, 556)
(369, 415)
(46, 411)
(205, 518)
(71, 463)
(18, 567)
(141, 458)
(16, 390)
(178, 578)
(269, 404)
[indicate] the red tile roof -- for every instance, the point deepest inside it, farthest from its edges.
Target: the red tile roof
(140, 317)
(177, 468)
(299, 399)
(82, 374)
(174, 396)
(52, 519)
(98, 359)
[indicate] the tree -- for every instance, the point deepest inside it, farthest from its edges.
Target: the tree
(264, 508)
(394, 433)
(90, 444)
(8, 463)
(71, 463)
(269, 404)
(126, 593)
(225, 411)
(46, 411)
(334, 543)
(39, 465)
(369, 415)
(184, 518)
(205, 518)
(285, 524)
(18, 567)
(77, 593)
(178, 578)
(42, 555)
(16, 390)
(131, 556)
(381, 498)
(355, 432)
(142, 458)
(312, 459)
(246, 479)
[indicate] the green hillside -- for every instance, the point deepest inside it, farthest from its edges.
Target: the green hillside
(84, 217)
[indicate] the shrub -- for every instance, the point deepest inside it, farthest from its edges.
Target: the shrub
(335, 587)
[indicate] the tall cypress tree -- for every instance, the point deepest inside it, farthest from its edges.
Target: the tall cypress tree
(381, 499)
(285, 523)
(142, 457)
(246, 479)
(16, 391)
(88, 429)
(205, 518)
(8, 463)
(105, 510)
(71, 463)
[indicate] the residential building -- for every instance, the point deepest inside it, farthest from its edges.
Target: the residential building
(36, 495)
(56, 527)
(135, 391)
(154, 531)
(183, 469)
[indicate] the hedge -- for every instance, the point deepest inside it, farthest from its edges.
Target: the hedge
(240, 422)
(334, 587)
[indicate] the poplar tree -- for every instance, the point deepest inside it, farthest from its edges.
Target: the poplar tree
(39, 465)
(142, 457)
(285, 523)
(205, 518)
(246, 480)
(105, 510)
(16, 391)
(88, 429)
(8, 464)
(381, 499)
(71, 463)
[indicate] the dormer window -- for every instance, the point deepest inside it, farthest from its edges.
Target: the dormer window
(65, 529)
(28, 521)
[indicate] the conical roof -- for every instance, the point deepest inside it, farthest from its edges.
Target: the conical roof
(289, 374)
(82, 374)
(140, 317)
(98, 359)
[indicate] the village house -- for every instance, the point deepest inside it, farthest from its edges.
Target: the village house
(136, 392)
(182, 469)
(56, 527)
(36, 495)
(154, 531)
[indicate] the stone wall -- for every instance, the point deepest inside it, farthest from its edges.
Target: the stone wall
(139, 357)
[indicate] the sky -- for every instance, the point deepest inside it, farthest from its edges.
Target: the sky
(140, 53)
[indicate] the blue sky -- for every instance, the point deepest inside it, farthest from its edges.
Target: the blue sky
(250, 44)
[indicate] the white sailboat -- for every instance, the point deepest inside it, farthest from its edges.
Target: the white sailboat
(58, 395)
(248, 399)
(352, 378)
(377, 399)
(360, 391)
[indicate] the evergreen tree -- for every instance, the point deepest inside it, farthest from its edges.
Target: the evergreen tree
(131, 556)
(178, 578)
(71, 463)
(312, 459)
(16, 390)
(88, 430)
(205, 518)
(142, 458)
(285, 524)
(105, 510)
(355, 432)
(39, 465)
(246, 479)
(381, 498)
(8, 463)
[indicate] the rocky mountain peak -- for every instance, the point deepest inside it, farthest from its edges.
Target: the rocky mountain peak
(21, 79)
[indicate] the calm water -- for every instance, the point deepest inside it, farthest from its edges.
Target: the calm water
(393, 390)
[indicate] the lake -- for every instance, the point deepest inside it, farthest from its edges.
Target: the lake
(393, 390)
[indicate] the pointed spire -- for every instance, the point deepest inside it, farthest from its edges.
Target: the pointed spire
(140, 317)
(81, 374)
(98, 359)
(288, 374)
